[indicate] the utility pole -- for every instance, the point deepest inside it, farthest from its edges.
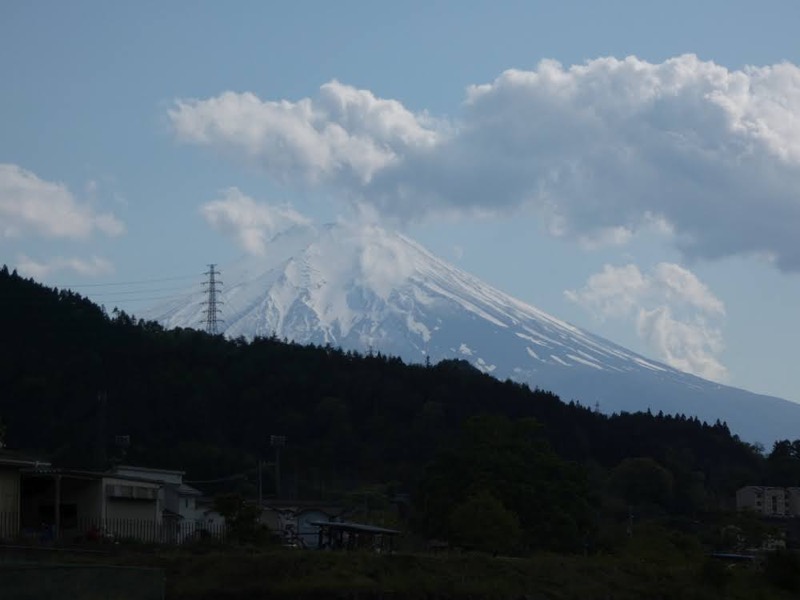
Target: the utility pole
(100, 454)
(277, 442)
(260, 489)
(212, 309)
(630, 520)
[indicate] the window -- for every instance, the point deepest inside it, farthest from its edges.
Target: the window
(774, 504)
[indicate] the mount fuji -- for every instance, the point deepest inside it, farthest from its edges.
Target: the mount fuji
(367, 289)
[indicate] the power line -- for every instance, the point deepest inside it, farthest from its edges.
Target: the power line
(101, 300)
(140, 281)
(140, 291)
(219, 480)
(173, 297)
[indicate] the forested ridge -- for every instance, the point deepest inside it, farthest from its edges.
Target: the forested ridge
(73, 376)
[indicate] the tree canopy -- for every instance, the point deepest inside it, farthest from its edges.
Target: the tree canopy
(74, 376)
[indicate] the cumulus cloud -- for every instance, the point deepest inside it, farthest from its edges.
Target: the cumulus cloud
(689, 345)
(673, 311)
(91, 267)
(252, 224)
(30, 205)
(598, 151)
(343, 135)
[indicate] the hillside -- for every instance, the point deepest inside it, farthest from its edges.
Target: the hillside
(208, 405)
(364, 288)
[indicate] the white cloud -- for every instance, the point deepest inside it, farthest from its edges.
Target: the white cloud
(598, 150)
(672, 311)
(690, 345)
(344, 134)
(610, 236)
(250, 223)
(30, 205)
(679, 285)
(91, 267)
(384, 261)
(614, 292)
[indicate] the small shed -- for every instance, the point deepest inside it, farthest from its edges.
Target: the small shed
(343, 535)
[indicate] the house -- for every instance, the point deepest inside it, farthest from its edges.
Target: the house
(71, 504)
(11, 466)
(182, 513)
(43, 503)
(769, 501)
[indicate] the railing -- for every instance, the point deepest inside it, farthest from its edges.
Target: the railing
(139, 530)
(114, 531)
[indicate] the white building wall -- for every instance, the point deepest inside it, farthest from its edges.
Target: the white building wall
(138, 510)
(142, 503)
(769, 501)
(774, 503)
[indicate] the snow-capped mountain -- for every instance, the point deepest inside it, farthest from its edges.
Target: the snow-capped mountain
(363, 288)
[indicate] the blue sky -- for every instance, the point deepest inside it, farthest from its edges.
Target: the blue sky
(652, 200)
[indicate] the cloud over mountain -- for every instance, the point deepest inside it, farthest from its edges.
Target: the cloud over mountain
(344, 134)
(673, 311)
(249, 222)
(597, 151)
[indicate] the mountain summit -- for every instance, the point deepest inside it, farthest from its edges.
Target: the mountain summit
(366, 289)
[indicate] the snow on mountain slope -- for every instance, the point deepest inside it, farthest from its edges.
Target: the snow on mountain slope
(362, 288)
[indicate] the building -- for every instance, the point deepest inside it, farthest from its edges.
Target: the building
(11, 467)
(182, 514)
(41, 503)
(769, 501)
(72, 504)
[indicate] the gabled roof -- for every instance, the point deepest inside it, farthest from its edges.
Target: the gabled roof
(83, 474)
(148, 470)
(187, 490)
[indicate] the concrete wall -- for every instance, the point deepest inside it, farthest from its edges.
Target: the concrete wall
(775, 502)
(767, 501)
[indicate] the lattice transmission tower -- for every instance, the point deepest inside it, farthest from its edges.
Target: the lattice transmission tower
(212, 304)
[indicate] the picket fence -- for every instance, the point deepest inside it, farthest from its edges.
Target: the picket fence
(116, 531)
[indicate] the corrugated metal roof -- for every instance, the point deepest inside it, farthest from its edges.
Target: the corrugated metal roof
(354, 527)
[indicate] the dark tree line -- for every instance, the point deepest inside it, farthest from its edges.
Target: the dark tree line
(208, 405)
